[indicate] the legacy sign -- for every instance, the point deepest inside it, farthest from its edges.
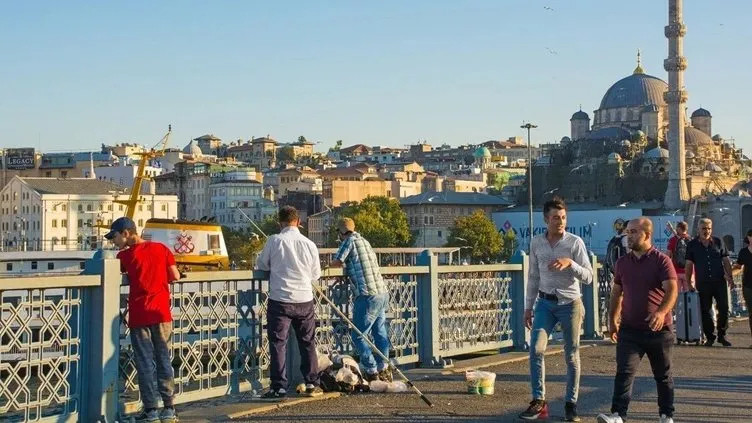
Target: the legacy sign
(19, 158)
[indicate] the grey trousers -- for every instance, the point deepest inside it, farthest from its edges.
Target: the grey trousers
(151, 350)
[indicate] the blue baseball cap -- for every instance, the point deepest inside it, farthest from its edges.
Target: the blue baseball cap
(119, 225)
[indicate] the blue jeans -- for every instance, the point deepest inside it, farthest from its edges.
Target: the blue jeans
(369, 315)
(545, 316)
(151, 354)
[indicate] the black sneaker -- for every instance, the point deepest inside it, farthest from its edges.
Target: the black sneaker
(386, 375)
(538, 410)
(724, 342)
(709, 343)
(370, 377)
(274, 394)
(570, 412)
(313, 391)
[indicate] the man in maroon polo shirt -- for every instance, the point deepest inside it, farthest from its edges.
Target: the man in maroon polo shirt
(640, 320)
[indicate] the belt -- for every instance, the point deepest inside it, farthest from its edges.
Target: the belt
(550, 297)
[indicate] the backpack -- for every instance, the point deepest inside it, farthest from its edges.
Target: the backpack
(680, 252)
(614, 251)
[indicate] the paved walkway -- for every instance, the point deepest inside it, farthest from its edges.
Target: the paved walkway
(712, 385)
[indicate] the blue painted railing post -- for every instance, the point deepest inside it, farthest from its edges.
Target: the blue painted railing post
(591, 302)
(520, 334)
(428, 310)
(100, 342)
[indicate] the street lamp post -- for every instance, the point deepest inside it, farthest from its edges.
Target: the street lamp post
(23, 232)
(529, 126)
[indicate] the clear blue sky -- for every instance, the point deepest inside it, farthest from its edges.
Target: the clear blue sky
(77, 74)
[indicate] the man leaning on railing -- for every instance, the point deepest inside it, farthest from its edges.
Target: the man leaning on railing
(150, 267)
(371, 300)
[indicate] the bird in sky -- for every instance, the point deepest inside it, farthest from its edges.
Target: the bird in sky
(551, 51)
(550, 9)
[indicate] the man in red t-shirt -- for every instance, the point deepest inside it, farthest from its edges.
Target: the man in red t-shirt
(150, 267)
(681, 233)
(640, 320)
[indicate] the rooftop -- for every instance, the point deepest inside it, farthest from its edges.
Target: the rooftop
(81, 186)
(454, 198)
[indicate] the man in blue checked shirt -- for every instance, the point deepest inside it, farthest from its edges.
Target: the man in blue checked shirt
(371, 298)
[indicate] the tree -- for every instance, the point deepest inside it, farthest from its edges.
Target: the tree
(478, 232)
(242, 247)
(337, 145)
(379, 219)
(498, 180)
(302, 140)
(270, 225)
(509, 246)
(286, 154)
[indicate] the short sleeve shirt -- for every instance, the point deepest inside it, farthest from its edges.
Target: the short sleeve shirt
(641, 279)
(708, 260)
(361, 265)
(147, 265)
(745, 259)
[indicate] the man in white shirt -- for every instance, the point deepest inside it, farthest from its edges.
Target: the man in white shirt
(293, 263)
(558, 264)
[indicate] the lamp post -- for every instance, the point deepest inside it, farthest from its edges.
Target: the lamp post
(23, 232)
(529, 126)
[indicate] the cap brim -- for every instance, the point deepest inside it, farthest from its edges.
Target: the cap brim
(109, 235)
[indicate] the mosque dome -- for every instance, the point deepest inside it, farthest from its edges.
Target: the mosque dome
(482, 152)
(193, 149)
(638, 89)
(695, 137)
(701, 113)
(580, 115)
(656, 153)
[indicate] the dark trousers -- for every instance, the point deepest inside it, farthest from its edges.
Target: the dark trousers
(718, 291)
(280, 317)
(747, 293)
(631, 346)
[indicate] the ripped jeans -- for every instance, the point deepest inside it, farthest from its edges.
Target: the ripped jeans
(545, 316)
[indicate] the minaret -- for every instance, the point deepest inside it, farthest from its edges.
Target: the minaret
(676, 97)
(91, 166)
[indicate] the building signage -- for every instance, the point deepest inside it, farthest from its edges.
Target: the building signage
(19, 158)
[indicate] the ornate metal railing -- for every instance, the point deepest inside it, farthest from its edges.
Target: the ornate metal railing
(737, 306)
(604, 293)
(57, 332)
(41, 333)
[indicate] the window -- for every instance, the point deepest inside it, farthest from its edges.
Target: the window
(48, 174)
(34, 265)
(64, 174)
(9, 267)
(101, 206)
(80, 207)
(64, 240)
(65, 207)
(54, 223)
(164, 207)
(51, 266)
(88, 222)
(140, 208)
(148, 208)
(109, 207)
(88, 207)
(140, 222)
(439, 234)
(64, 223)
(80, 223)
(82, 265)
(120, 207)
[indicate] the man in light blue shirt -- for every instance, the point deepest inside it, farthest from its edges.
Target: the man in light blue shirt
(371, 298)
(558, 264)
(293, 264)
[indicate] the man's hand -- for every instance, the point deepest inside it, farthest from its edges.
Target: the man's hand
(613, 330)
(655, 320)
(560, 264)
(528, 318)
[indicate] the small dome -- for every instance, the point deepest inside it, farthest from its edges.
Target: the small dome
(656, 153)
(717, 138)
(565, 140)
(626, 143)
(580, 116)
(690, 155)
(695, 137)
(701, 113)
(482, 152)
(614, 158)
(193, 149)
(713, 167)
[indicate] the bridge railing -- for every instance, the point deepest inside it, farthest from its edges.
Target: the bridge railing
(65, 353)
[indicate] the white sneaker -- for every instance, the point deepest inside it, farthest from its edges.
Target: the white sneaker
(609, 418)
(666, 419)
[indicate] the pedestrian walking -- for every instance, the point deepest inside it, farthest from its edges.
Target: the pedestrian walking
(709, 270)
(640, 320)
(293, 264)
(677, 250)
(371, 298)
(150, 267)
(744, 262)
(558, 264)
